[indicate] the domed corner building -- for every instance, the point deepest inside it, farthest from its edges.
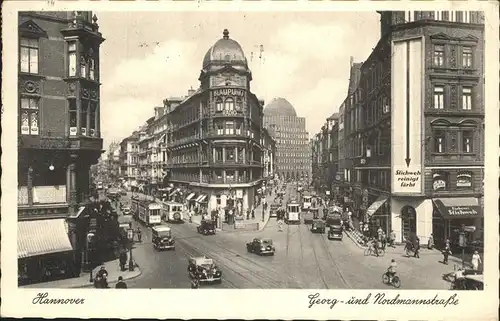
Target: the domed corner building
(293, 153)
(213, 135)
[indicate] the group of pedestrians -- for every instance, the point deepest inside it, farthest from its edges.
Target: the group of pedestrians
(101, 280)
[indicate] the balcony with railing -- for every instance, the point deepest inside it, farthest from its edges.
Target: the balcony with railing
(47, 202)
(48, 139)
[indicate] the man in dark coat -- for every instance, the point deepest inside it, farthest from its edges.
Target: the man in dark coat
(123, 260)
(120, 284)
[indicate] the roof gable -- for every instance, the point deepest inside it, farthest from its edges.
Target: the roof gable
(31, 29)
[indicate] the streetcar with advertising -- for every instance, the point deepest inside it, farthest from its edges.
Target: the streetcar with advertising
(173, 212)
(293, 209)
(306, 200)
(146, 211)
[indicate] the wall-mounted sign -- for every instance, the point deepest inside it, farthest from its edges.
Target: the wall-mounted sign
(464, 180)
(438, 182)
(407, 180)
(228, 92)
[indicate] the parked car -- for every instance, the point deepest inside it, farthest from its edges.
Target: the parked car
(162, 238)
(204, 269)
(206, 228)
(335, 232)
(261, 246)
(273, 210)
(318, 226)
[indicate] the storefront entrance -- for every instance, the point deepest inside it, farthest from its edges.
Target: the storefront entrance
(408, 221)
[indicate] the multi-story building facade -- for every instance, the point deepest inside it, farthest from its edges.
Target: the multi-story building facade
(317, 168)
(268, 154)
(292, 140)
(129, 160)
(59, 135)
(113, 160)
(418, 169)
(214, 134)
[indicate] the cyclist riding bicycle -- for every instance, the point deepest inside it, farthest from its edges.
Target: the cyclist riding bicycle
(391, 270)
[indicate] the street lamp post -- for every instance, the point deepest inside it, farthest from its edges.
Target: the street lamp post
(462, 242)
(130, 236)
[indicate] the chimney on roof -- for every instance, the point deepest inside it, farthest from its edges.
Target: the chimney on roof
(352, 61)
(191, 91)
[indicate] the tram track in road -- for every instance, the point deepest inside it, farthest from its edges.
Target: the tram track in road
(318, 264)
(325, 242)
(243, 270)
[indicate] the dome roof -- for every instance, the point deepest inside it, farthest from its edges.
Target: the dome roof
(225, 49)
(279, 107)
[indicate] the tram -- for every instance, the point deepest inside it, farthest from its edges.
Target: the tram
(293, 210)
(146, 211)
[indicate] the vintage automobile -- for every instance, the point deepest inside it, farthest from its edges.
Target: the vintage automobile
(318, 226)
(335, 232)
(468, 280)
(162, 238)
(273, 209)
(206, 227)
(204, 269)
(308, 217)
(261, 246)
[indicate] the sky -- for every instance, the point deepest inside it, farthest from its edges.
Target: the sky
(150, 56)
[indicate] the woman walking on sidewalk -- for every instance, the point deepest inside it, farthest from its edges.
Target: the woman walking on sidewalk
(446, 252)
(476, 260)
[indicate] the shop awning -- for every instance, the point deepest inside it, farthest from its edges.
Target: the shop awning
(190, 196)
(201, 198)
(376, 205)
(41, 237)
(458, 207)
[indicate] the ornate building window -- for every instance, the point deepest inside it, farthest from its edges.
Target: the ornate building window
(220, 128)
(29, 55)
(230, 154)
(229, 104)
(239, 104)
(92, 68)
(467, 57)
(466, 98)
(467, 141)
(83, 67)
(92, 127)
(229, 128)
(219, 106)
(72, 117)
(72, 59)
(439, 141)
(438, 97)
(238, 128)
(438, 55)
(29, 116)
(83, 117)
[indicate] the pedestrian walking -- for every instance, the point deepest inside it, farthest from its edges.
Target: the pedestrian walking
(384, 240)
(366, 230)
(253, 212)
(123, 259)
(476, 260)
(417, 248)
(248, 213)
(120, 284)
(430, 242)
(392, 239)
(139, 234)
(446, 251)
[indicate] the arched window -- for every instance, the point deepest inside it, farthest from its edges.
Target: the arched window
(218, 104)
(229, 104)
(239, 104)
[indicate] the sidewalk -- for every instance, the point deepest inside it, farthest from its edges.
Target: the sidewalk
(83, 281)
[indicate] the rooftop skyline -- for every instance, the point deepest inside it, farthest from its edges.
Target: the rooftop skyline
(300, 57)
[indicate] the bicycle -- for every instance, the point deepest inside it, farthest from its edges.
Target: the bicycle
(370, 251)
(395, 281)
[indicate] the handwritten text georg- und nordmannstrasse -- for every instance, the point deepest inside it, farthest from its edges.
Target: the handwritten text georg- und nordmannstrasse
(383, 299)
